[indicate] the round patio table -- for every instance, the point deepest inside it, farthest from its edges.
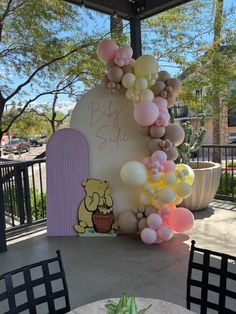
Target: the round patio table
(158, 307)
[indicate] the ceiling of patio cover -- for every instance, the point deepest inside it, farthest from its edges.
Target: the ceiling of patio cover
(130, 8)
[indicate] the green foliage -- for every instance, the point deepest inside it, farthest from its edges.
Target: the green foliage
(126, 305)
(33, 35)
(38, 204)
(227, 184)
(192, 140)
(28, 124)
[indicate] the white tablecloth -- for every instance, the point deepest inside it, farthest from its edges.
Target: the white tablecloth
(158, 307)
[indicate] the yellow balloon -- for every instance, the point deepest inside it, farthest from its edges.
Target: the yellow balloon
(183, 189)
(146, 94)
(167, 195)
(169, 179)
(141, 83)
(128, 80)
(186, 171)
(133, 173)
(178, 200)
(145, 65)
(144, 199)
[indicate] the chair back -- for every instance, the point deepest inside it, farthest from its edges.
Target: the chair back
(211, 281)
(43, 288)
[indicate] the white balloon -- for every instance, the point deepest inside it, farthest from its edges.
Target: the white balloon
(141, 83)
(146, 94)
(128, 80)
(144, 199)
(133, 173)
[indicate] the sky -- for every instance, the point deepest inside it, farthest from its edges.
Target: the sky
(94, 22)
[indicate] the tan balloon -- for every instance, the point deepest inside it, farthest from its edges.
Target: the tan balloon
(150, 210)
(164, 94)
(157, 131)
(158, 87)
(142, 224)
(174, 133)
(175, 84)
(128, 222)
(172, 153)
(154, 144)
(128, 69)
(104, 80)
(115, 74)
(170, 100)
(110, 64)
(163, 76)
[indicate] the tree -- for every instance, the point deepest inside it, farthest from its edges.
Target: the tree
(29, 121)
(40, 41)
(199, 38)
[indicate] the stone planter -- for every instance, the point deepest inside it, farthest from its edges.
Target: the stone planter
(204, 188)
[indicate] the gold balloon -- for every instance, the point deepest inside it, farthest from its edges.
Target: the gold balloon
(188, 173)
(145, 65)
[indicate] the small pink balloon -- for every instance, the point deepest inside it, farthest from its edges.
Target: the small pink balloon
(159, 155)
(131, 61)
(180, 219)
(125, 52)
(146, 113)
(158, 241)
(165, 233)
(160, 102)
(169, 166)
(106, 50)
(148, 235)
(154, 221)
(146, 161)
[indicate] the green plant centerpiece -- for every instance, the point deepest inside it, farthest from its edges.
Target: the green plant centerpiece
(206, 173)
(126, 305)
(192, 141)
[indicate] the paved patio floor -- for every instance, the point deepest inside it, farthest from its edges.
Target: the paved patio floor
(98, 268)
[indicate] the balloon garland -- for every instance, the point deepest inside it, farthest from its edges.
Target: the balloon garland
(164, 184)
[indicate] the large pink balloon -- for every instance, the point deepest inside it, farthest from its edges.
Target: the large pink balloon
(148, 235)
(106, 50)
(165, 233)
(159, 155)
(146, 113)
(180, 219)
(154, 221)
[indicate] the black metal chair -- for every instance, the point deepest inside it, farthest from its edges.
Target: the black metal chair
(211, 281)
(43, 288)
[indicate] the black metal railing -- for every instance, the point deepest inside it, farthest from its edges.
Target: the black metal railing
(23, 187)
(22, 193)
(226, 156)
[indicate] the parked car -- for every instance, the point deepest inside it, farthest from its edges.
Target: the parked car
(36, 142)
(16, 145)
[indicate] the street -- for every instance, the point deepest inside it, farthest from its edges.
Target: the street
(34, 151)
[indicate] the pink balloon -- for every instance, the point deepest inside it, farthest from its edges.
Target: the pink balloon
(106, 50)
(160, 102)
(169, 166)
(154, 221)
(180, 219)
(165, 233)
(159, 155)
(125, 52)
(158, 241)
(146, 113)
(148, 235)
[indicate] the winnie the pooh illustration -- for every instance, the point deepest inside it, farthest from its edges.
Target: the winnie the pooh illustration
(96, 203)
